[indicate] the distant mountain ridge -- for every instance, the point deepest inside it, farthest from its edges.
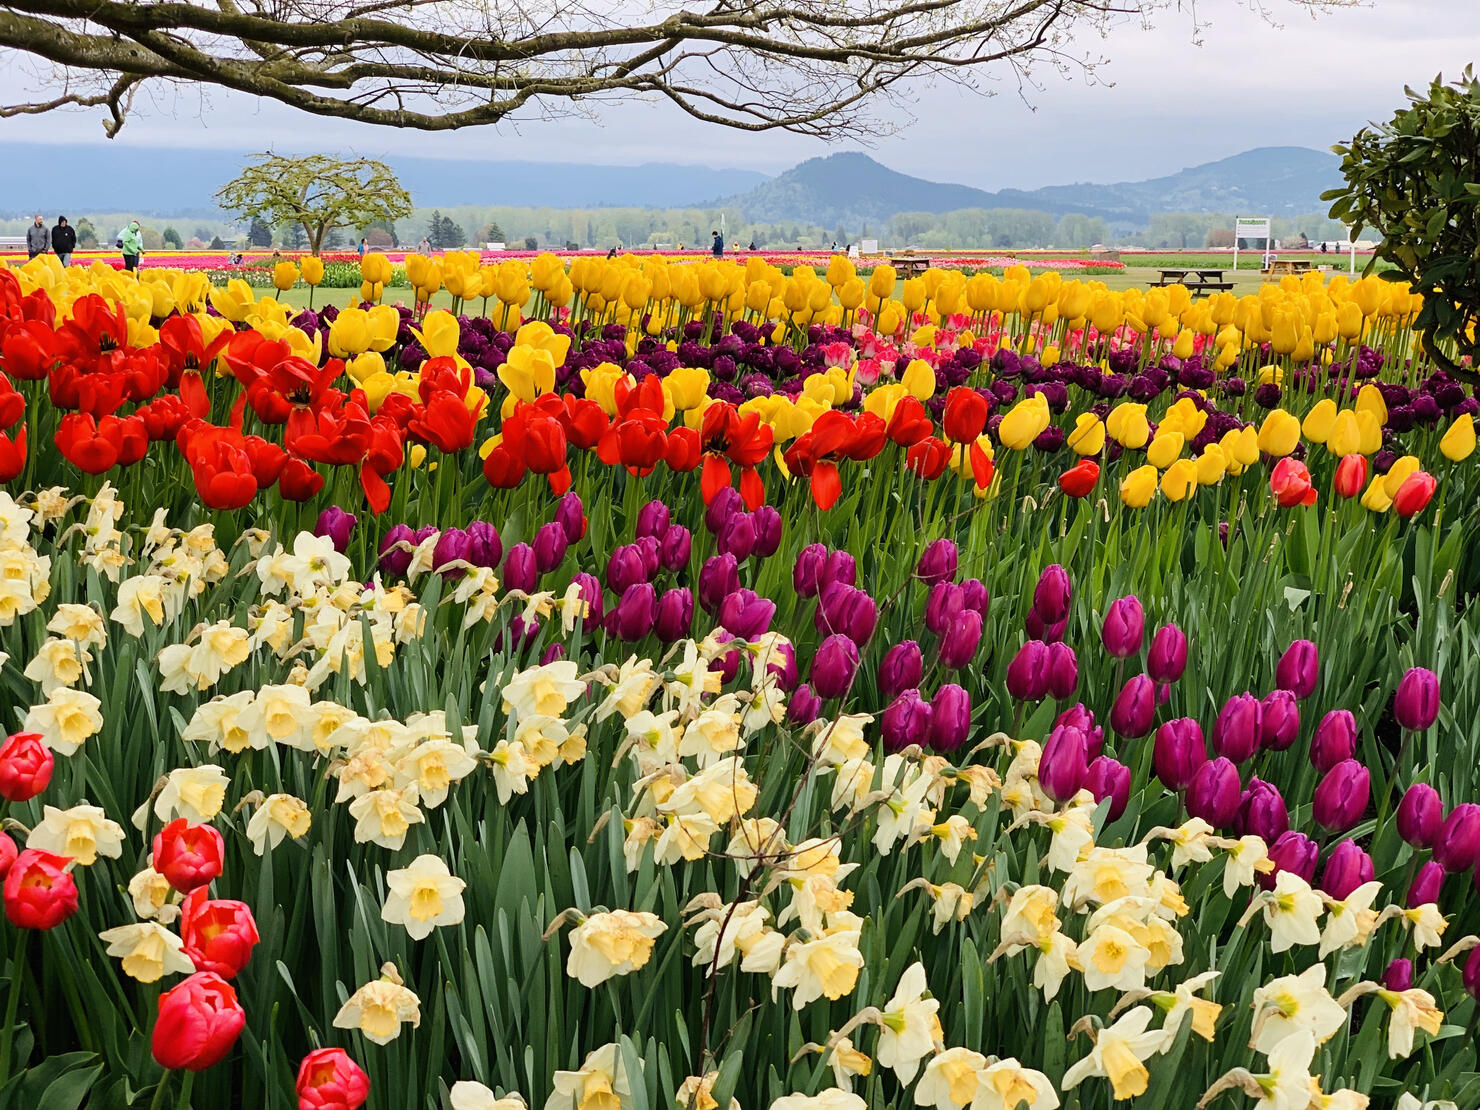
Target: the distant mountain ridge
(852, 188)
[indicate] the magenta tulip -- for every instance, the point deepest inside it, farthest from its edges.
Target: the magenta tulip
(1416, 703)
(1457, 846)
(1214, 793)
(1342, 795)
(1279, 716)
(1109, 778)
(1299, 669)
(1335, 739)
(901, 668)
(1064, 763)
(1347, 868)
(1124, 627)
(1239, 728)
(1052, 595)
(1134, 711)
(905, 721)
(1179, 750)
(1420, 814)
(1167, 658)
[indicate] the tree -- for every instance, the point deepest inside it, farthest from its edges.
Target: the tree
(531, 243)
(217, 244)
(445, 233)
(87, 234)
(381, 233)
(292, 237)
(258, 233)
(315, 191)
(1413, 179)
(810, 66)
(171, 239)
(1219, 237)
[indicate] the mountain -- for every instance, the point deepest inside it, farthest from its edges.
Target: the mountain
(852, 188)
(178, 181)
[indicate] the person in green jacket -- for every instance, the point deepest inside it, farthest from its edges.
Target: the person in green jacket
(131, 242)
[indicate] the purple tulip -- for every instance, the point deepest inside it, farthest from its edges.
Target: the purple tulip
(337, 524)
(906, 721)
(768, 527)
(1279, 720)
(1342, 795)
(1050, 632)
(725, 503)
(1109, 778)
(675, 614)
(1027, 674)
(1416, 704)
(1298, 669)
(1134, 711)
(975, 596)
(570, 514)
(637, 611)
(520, 571)
(834, 666)
(746, 614)
(625, 567)
(1082, 719)
(1214, 793)
(1347, 868)
(901, 668)
(938, 562)
(837, 567)
(950, 718)
(522, 632)
(1064, 763)
(549, 547)
(718, 578)
(783, 665)
(675, 547)
(958, 645)
(805, 575)
(946, 600)
(1457, 846)
(1335, 739)
(1293, 852)
(591, 594)
(485, 548)
(1239, 728)
(1061, 670)
(1399, 975)
(1167, 658)
(1426, 885)
(651, 553)
(848, 610)
(453, 546)
(1420, 814)
(737, 536)
(1052, 595)
(396, 563)
(1262, 811)
(1470, 977)
(1178, 751)
(653, 519)
(552, 654)
(804, 706)
(1124, 627)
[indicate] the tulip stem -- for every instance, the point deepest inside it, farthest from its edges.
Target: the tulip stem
(12, 1005)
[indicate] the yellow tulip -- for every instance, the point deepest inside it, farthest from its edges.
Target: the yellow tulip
(1343, 437)
(312, 268)
(919, 379)
(1180, 481)
(1348, 320)
(1369, 399)
(539, 334)
(1211, 465)
(1271, 375)
(1088, 436)
(1369, 432)
(884, 399)
(1138, 487)
(881, 282)
(1165, 449)
(601, 384)
(529, 372)
(1316, 426)
(235, 301)
(349, 334)
(1376, 498)
(1024, 423)
(385, 326)
(362, 366)
(913, 295)
(1128, 426)
(284, 276)
(1279, 434)
(687, 386)
(1399, 474)
(1458, 443)
(375, 268)
(438, 334)
(1183, 346)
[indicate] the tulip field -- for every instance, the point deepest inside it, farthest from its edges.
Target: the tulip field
(660, 684)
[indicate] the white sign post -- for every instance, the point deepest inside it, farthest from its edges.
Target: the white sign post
(1250, 227)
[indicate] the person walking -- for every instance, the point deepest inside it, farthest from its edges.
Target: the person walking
(131, 243)
(63, 241)
(37, 239)
(363, 245)
(719, 243)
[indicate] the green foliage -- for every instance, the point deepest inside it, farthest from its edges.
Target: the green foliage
(1414, 179)
(87, 234)
(445, 233)
(258, 233)
(171, 239)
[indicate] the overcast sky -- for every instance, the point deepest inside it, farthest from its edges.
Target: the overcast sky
(1163, 103)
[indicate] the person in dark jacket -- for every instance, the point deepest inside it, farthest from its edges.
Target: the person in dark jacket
(37, 239)
(63, 241)
(719, 244)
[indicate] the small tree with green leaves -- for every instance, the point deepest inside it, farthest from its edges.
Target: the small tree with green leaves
(87, 234)
(171, 239)
(316, 192)
(1416, 180)
(258, 233)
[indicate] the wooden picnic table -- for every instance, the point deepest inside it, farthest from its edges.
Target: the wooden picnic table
(910, 264)
(1196, 279)
(1279, 267)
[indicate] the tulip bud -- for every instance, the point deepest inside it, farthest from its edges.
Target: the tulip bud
(520, 569)
(395, 563)
(1399, 975)
(837, 567)
(675, 547)
(783, 666)
(1420, 814)
(1262, 811)
(337, 524)
(946, 600)
(199, 1021)
(485, 548)
(591, 594)
(329, 1080)
(846, 610)
(1027, 674)
(1298, 669)
(8, 854)
(768, 526)
(453, 546)
(1082, 719)
(1426, 885)
(725, 504)
(1124, 626)
(675, 614)
(1178, 751)
(746, 614)
(950, 718)
(1109, 778)
(974, 595)
(570, 514)
(718, 578)
(1457, 847)
(1168, 656)
(906, 721)
(834, 666)
(1470, 977)
(637, 611)
(1214, 793)
(217, 934)
(624, 567)
(1064, 763)
(650, 551)
(553, 653)
(1239, 727)
(737, 536)
(1052, 595)
(901, 669)
(1134, 711)
(1351, 475)
(26, 764)
(653, 519)
(958, 645)
(1342, 795)
(1050, 632)
(938, 562)
(40, 892)
(1347, 868)
(549, 547)
(1279, 716)
(1416, 703)
(1061, 671)
(805, 575)
(804, 707)
(1335, 739)
(1293, 852)
(188, 855)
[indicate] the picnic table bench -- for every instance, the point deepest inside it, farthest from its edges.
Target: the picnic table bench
(1195, 279)
(910, 265)
(1279, 267)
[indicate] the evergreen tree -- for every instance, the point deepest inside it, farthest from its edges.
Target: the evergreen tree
(171, 239)
(87, 234)
(258, 233)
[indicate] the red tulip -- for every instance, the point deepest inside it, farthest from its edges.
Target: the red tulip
(188, 855)
(218, 934)
(329, 1080)
(1351, 475)
(928, 458)
(299, 481)
(25, 766)
(1414, 494)
(1290, 484)
(8, 854)
(12, 454)
(965, 415)
(1080, 479)
(199, 1020)
(39, 892)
